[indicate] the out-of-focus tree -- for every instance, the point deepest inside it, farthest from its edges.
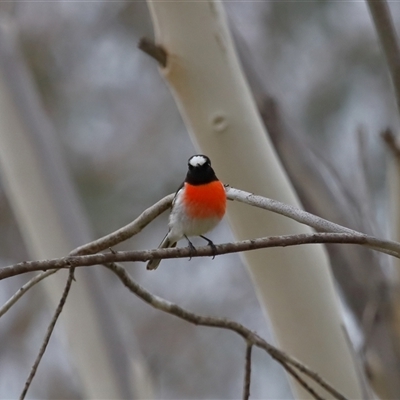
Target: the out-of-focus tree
(126, 147)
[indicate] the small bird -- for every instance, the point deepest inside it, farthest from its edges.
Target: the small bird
(198, 206)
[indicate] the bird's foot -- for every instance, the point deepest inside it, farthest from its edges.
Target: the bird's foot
(193, 250)
(211, 244)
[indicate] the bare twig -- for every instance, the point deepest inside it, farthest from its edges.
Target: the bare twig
(290, 370)
(390, 139)
(389, 41)
(152, 212)
(304, 217)
(83, 256)
(186, 252)
(22, 290)
(340, 235)
(250, 337)
(153, 50)
(48, 333)
(247, 372)
(320, 224)
(127, 231)
(368, 322)
(103, 243)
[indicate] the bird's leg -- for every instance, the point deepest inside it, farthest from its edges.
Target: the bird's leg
(211, 244)
(192, 248)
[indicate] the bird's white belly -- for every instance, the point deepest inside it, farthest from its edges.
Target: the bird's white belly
(181, 225)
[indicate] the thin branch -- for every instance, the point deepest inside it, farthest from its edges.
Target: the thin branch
(290, 370)
(127, 231)
(320, 224)
(347, 236)
(153, 50)
(388, 39)
(368, 322)
(162, 205)
(74, 260)
(390, 139)
(315, 377)
(304, 217)
(249, 336)
(98, 245)
(22, 290)
(48, 333)
(93, 247)
(101, 244)
(187, 252)
(247, 372)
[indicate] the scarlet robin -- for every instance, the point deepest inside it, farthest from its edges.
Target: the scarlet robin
(198, 205)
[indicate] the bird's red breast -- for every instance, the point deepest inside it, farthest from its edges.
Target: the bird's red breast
(207, 200)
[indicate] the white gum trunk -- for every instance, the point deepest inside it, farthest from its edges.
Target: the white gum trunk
(294, 285)
(52, 224)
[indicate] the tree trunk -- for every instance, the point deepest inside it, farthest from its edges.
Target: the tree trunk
(294, 285)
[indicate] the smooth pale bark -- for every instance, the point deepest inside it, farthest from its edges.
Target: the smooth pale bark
(52, 224)
(394, 186)
(294, 285)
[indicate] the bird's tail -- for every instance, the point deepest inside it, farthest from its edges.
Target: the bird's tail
(153, 264)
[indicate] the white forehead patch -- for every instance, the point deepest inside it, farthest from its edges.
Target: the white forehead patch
(197, 161)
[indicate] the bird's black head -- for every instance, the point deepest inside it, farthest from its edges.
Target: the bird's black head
(200, 170)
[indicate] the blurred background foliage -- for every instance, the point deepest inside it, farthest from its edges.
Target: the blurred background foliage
(126, 147)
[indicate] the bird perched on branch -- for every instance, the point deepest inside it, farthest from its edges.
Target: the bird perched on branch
(198, 205)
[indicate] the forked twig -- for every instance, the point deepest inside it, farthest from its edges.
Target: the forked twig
(98, 245)
(202, 251)
(250, 337)
(23, 289)
(85, 255)
(291, 371)
(247, 372)
(48, 334)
